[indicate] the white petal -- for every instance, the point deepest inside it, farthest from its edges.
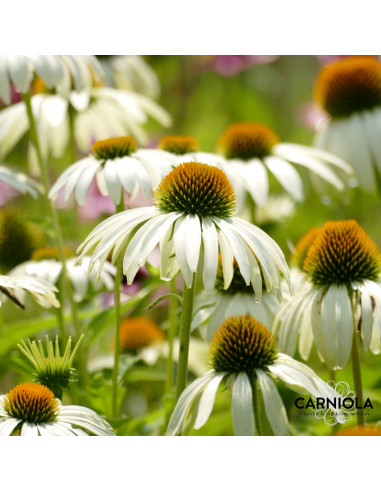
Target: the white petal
(274, 408)
(185, 402)
(286, 175)
(8, 426)
(28, 429)
(242, 406)
(206, 403)
(210, 241)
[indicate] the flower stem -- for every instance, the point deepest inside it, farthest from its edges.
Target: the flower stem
(118, 281)
(171, 336)
(356, 369)
(55, 220)
(257, 407)
(185, 328)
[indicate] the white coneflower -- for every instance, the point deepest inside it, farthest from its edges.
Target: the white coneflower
(99, 113)
(19, 181)
(30, 409)
(15, 287)
(117, 165)
(194, 205)
(244, 356)
(252, 149)
(59, 72)
(349, 91)
(46, 267)
(339, 288)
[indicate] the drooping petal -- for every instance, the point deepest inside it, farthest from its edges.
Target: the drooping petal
(274, 408)
(242, 406)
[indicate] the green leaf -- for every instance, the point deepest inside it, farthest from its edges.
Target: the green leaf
(159, 299)
(205, 306)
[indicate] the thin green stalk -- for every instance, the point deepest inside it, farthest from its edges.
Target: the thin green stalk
(55, 221)
(356, 365)
(61, 324)
(185, 328)
(118, 280)
(257, 407)
(171, 336)
(356, 369)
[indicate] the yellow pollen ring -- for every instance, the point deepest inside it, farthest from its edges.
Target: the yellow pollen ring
(50, 253)
(196, 189)
(179, 145)
(342, 253)
(247, 141)
(31, 402)
(112, 148)
(349, 85)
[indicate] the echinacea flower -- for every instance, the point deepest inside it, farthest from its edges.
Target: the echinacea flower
(349, 91)
(341, 289)
(252, 149)
(178, 149)
(53, 370)
(117, 165)
(138, 332)
(59, 72)
(46, 266)
(15, 287)
(238, 298)
(98, 114)
(19, 181)
(245, 357)
(194, 205)
(30, 409)
(131, 73)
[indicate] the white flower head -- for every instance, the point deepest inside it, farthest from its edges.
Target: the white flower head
(349, 91)
(16, 286)
(251, 150)
(48, 269)
(58, 72)
(340, 289)
(117, 165)
(98, 113)
(30, 409)
(243, 352)
(19, 181)
(194, 206)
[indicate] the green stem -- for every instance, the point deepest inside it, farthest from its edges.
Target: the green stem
(118, 281)
(185, 328)
(356, 369)
(55, 221)
(257, 407)
(171, 336)
(61, 324)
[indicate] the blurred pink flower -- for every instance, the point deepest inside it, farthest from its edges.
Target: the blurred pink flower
(309, 115)
(95, 205)
(6, 193)
(230, 65)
